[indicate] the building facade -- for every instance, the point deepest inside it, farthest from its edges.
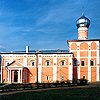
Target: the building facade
(47, 66)
(82, 60)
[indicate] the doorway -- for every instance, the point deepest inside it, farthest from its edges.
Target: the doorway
(15, 76)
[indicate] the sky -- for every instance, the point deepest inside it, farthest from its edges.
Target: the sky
(44, 24)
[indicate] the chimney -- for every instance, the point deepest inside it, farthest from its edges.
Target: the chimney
(27, 49)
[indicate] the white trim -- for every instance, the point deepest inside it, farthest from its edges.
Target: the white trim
(19, 76)
(78, 58)
(25, 61)
(70, 69)
(55, 67)
(8, 75)
(89, 67)
(39, 67)
(78, 72)
(1, 75)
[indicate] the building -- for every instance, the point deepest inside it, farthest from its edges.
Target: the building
(82, 60)
(49, 66)
(86, 53)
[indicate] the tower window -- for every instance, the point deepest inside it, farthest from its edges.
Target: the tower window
(82, 63)
(91, 62)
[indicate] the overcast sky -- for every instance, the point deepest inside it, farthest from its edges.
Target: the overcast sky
(44, 24)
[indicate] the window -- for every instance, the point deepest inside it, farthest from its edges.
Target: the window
(62, 62)
(82, 63)
(32, 63)
(91, 62)
(75, 62)
(84, 77)
(47, 77)
(47, 63)
(62, 78)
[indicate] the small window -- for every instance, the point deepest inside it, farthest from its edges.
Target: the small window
(32, 63)
(47, 77)
(75, 62)
(82, 63)
(62, 62)
(62, 78)
(47, 63)
(84, 77)
(91, 62)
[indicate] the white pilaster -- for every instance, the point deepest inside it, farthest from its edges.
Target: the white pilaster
(25, 62)
(55, 67)
(39, 65)
(89, 67)
(78, 58)
(78, 72)
(70, 68)
(1, 74)
(19, 76)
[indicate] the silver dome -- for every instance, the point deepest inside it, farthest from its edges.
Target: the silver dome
(83, 22)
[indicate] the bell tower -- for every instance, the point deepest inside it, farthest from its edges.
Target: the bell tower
(83, 24)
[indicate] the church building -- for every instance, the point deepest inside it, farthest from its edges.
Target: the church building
(81, 60)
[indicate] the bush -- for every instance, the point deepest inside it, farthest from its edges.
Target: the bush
(82, 81)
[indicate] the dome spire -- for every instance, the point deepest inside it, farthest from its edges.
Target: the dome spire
(82, 7)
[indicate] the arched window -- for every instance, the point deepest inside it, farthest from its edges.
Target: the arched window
(47, 63)
(62, 63)
(32, 63)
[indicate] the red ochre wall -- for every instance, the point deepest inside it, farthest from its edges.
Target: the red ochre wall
(62, 72)
(84, 71)
(47, 72)
(93, 74)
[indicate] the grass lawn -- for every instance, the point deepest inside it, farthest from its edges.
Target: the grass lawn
(58, 94)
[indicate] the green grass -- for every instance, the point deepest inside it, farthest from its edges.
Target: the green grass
(58, 94)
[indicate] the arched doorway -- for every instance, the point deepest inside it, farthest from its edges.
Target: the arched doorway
(15, 76)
